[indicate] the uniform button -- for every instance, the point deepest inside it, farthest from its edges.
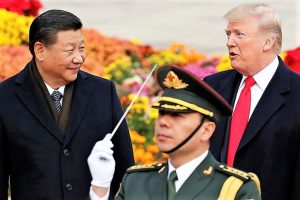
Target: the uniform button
(66, 152)
(69, 186)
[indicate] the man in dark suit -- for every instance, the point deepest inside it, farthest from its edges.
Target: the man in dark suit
(269, 140)
(188, 110)
(45, 137)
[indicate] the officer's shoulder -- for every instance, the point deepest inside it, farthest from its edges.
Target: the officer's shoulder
(146, 167)
(235, 180)
(230, 171)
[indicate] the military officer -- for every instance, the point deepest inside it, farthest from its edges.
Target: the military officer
(188, 112)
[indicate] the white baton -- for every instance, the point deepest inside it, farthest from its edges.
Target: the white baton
(128, 108)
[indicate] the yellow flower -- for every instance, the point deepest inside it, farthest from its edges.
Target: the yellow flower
(224, 64)
(131, 96)
(118, 74)
(107, 76)
(14, 28)
(136, 41)
(144, 99)
(153, 114)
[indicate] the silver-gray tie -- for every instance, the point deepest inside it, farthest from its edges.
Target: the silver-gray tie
(56, 96)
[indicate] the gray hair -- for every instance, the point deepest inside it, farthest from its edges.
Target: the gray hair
(268, 19)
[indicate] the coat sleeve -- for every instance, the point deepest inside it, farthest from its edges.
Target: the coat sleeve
(3, 165)
(123, 153)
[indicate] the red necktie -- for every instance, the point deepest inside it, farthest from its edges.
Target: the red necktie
(239, 120)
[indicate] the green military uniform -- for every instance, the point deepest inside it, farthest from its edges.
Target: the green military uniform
(206, 182)
(184, 93)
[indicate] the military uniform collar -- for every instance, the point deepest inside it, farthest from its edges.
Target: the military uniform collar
(184, 171)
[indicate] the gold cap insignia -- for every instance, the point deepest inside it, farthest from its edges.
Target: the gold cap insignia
(172, 81)
(208, 171)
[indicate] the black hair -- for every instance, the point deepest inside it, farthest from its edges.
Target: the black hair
(45, 27)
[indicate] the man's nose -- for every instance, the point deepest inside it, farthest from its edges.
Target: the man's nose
(79, 57)
(162, 120)
(230, 41)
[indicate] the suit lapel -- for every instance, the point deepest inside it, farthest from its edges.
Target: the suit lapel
(229, 86)
(34, 102)
(198, 180)
(269, 103)
(81, 95)
(158, 184)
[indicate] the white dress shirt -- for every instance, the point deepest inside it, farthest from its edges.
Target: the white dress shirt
(262, 79)
(61, 90)
(183, 172)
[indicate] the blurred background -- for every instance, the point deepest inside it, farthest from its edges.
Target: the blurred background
(197, 23)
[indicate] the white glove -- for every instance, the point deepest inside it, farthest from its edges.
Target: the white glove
(102, 163)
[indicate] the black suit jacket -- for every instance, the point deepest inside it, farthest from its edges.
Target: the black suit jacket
(41, 163)
(270, 146)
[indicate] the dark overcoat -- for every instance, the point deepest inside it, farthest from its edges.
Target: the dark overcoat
(41, 162)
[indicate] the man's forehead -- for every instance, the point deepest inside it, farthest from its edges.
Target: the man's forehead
(240, 25)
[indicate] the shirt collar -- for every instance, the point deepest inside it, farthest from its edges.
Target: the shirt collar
(263, 77)
(184, 171)
(50, 89)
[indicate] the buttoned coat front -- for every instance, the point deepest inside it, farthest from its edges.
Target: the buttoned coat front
(41, 162)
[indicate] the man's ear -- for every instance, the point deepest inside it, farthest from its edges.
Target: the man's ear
(208, 129)
(269, 43)
(39, 50)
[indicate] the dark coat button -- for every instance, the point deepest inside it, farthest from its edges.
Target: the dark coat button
(66, 152)
(69, 186)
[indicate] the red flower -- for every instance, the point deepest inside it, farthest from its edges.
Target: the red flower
(292, 59)
(36, 5)
(22, 7)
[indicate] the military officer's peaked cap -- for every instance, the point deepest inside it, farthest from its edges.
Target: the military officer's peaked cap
(184, 92)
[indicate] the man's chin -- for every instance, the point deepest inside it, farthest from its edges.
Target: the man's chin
(71, 78)
(163, 148)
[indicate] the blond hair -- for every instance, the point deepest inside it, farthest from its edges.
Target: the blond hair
(267, 18)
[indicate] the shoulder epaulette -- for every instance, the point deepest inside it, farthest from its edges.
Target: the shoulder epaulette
(146, 167)
(235, 181)
(244, 176)
(230, 188)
